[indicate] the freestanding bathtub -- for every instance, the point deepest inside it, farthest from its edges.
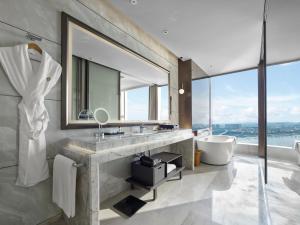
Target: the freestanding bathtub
(216, 149)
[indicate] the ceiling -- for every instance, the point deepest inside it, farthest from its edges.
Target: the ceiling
(135, 71)
(128, 82)
(220, 36)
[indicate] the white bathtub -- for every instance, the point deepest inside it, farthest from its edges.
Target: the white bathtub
(217, 149)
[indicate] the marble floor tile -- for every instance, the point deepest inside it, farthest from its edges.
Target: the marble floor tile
(283, 191)
(229, 195)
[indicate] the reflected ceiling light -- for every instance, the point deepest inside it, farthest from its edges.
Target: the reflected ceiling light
(133, 2)
(181, 90)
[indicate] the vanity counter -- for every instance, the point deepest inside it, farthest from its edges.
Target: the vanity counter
(96, 182)
(118, 146)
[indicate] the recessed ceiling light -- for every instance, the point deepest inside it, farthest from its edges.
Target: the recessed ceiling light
(133, 2)
(165, 32)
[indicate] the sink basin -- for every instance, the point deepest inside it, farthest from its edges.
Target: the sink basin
(135, 134)
(142, 134)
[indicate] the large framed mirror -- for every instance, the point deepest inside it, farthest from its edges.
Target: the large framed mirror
(99, 72)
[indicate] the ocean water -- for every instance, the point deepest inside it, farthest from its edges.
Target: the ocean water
(279, 133)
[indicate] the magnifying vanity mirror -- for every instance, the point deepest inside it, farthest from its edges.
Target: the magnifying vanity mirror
(102, 117)
(99, 72)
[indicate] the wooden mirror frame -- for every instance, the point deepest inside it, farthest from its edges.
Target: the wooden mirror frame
(65, 121)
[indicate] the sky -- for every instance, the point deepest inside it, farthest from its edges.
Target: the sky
(234, 96)
(138, 100)
(137, 104)
(164, 103)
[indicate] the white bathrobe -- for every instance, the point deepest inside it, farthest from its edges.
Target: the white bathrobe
(33, 86)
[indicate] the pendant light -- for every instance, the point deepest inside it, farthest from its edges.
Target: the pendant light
(181, 90)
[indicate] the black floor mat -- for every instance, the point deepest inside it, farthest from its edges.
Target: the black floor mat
(129, 205)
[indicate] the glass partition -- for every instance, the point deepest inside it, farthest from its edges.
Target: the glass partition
(283, 104)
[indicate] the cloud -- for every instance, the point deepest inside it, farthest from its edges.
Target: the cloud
(282, 98)
(239, 109)
(295, 110)
(200, 110)
(286, 64)
(230, 89)
(224, 110)
(285, 108)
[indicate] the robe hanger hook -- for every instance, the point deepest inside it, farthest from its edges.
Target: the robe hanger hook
(33, 37)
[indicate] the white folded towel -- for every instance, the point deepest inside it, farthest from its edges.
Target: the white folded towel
(64, 184)
(170, 167)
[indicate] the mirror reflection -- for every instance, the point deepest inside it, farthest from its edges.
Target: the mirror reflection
(105, 75)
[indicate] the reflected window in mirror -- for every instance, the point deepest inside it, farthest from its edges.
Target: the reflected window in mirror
(163, 103)
(104, 89)
(94, 86)
(135, 103)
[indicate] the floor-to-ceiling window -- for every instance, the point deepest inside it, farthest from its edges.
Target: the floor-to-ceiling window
(235, 104)
(200, 103)
(283, 104)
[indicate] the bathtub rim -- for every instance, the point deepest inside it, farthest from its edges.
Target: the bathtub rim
(201, 139)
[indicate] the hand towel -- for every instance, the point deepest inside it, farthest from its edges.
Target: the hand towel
(64, 184)
(170, 167)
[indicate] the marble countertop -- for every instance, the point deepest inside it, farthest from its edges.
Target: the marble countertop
(116, 146)
(113, 141)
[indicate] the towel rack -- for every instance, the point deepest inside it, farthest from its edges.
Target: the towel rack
(77, 165)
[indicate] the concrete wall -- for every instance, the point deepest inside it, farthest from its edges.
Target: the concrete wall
(43, 17)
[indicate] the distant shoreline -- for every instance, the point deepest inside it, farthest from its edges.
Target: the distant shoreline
(279, 133)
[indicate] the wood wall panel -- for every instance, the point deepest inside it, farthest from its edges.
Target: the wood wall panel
(185, 100)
